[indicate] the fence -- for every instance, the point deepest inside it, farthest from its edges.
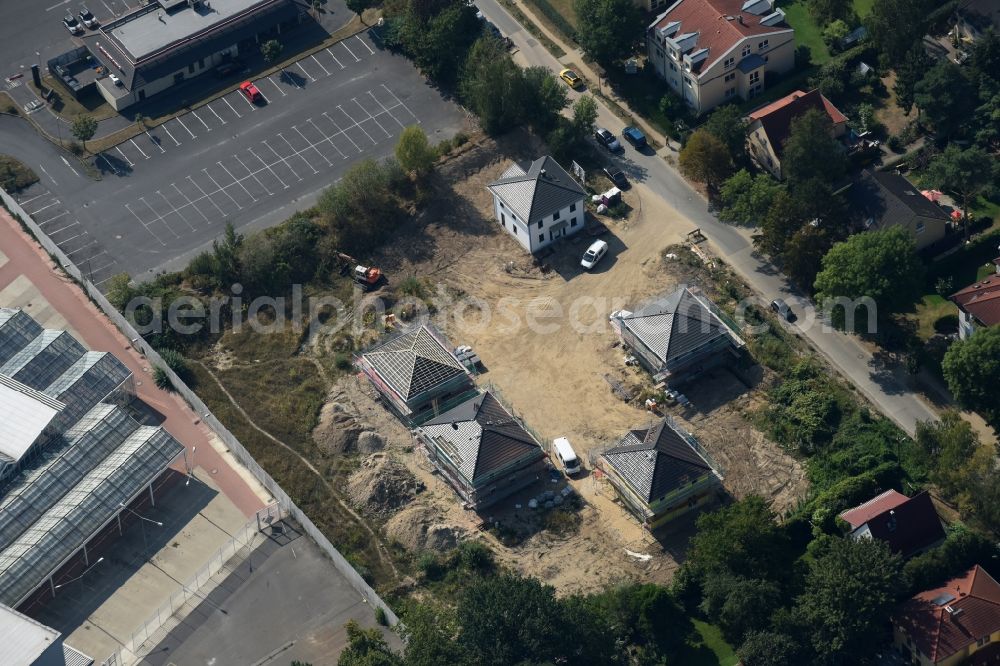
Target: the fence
(230, 440)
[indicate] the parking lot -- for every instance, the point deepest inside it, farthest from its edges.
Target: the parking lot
(168, 192)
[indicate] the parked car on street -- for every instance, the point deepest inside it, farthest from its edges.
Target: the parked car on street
(607, 139)
(571, 78)
(250, 91)
(780, 307)
(72, 25)
(616, 176)
(634, 136)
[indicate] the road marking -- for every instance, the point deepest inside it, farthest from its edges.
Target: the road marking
(340, 131)
(66, 162)
(209, 107)
(154, 141)
(132, 141)
(357, 125)
(54, 217)
(188, 199)
(60, 229)
(329, 139)
(328, 162)
(372, 95)
(54, 181)
(363, 43)
(109, 163)
(356, 58)
(254, 174)
(195, 114)
(66, 240)
(283, 93)
(268, 167)
(176, 210)
(57, 6)
(178, 119)
(143, 223)
(282, 159)
(247, 100)
(400, 102)
(28, 201)
(231, 107)
(238, 181)
(221, 189)
(298, 153)
(82, 247)
(266, 100)
(164, 126)
(299, 63)
(127, 160)
(335, 58)
(160, 217)
(320, 65)
(110, 11)
(205, 196)
(54, 202)
(370, 116)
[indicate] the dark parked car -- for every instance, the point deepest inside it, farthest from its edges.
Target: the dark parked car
(616, 176)
(607, 139)
(634, 136)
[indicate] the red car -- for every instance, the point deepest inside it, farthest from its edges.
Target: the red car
(251, 92)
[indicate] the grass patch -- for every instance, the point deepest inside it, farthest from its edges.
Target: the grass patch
(558, 16)
(14, 175)
(931, 313)
(863, 7)
(64, 104)
(706, 647)
(807, 32)
(643, 92)
(531, 27)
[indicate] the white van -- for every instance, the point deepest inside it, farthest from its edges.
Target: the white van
(593, 254)
(566, 455)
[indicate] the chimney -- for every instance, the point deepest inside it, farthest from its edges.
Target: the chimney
(739, 18)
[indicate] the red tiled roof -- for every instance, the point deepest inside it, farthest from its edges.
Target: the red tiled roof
(974, 600)
(720, 24)
(862, 513)
(981, 300)
(776, 118)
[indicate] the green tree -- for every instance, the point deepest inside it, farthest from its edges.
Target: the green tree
(84, 128)
(120, 290)
(545, 98)
(768, 648)
(784, 218)
(747, 199)
(894, 26)
(359, 6)
(811, 151)
(804, 252)
(608, 29)
(942, 96)
(705, 159)
(430, 632)
(826, 11)
(879, 265)
(438, 37)
(966, 172)
(728, 125)
(909, 72)
(962, 548)
(835, 32)
(227, 256)
(972, 369)
(362, 208)
(948, 445)
(492, 86)
(413, 151)
(584, 115)
(367, 647)
(739, 605)
(271, 50)
(850, 589)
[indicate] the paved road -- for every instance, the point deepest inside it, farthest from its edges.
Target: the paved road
(885, 389)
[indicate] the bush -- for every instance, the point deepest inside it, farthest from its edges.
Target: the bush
(175, 361)
(161, 379)
(15, 176)
(75, 148)
(381, 617)
(460, 139)
(475, 556)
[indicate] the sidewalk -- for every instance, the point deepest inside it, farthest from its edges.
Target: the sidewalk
(26, 261)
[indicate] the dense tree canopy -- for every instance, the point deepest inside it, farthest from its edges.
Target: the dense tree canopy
(967, 172)
(942, 96)
(413, 151)
(747, 199)
(728, 124)
(705, 159)
(608, 29)
(811, 151)
(894, 26)
(972, 369)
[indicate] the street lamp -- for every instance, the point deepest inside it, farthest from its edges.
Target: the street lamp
(190, 466)
(145, 544)
(85, 572)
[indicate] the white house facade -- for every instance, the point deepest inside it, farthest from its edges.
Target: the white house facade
(538, 204)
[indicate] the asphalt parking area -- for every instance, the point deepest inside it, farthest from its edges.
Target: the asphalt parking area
(169, 191)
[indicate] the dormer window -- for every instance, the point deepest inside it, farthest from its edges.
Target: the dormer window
(673, 54)
(730, 62)
(746, 51)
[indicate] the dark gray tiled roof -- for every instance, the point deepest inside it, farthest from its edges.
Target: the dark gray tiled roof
(675, 324)
(889, 199)
(482, 436)
(750, 63)
(537, 191)
(657, 460)
(414, 363)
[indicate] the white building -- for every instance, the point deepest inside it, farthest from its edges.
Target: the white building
(538, 204)
(713, 51)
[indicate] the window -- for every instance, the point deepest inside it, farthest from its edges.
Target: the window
(572, 222)
(767, 58)
(191, 68)
(754, 77)
(746, 51)
(730, 62)
(673, 67)
(503, 219)
(201, 63)
(555, 216)
(983, 641)
(540, 223)
(689, 83)
(541, 238)
(572, 208)
(501, 205)
(514, 227)
(673, 54)
(730, 91)
(920, 228)
(730, 77)
(762, 45)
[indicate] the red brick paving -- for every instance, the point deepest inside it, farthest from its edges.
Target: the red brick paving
(26, 257)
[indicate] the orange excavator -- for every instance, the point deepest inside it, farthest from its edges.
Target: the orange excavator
(368, 277)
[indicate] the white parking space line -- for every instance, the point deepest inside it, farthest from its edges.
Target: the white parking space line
(298, 153)
(28, 201)
(389, 113)
(143, 223)
(329, 139)
(209, 107)
(320, 65)
(132, 141)
(370, 116)
(205, 196)
(283, 93)
(54, 202)
(153, 141)
(400, 102)
(195, 114)
(176, 210)
(282, 159)
(299, 63)
(266, 100)
(54, 217)
(254, 174)
(355, 123)
(313, 146)
(71, 238)
(356, 58)
(335, 59)
(124, 156)
(153, 210)
(185, 127)
(188, 199)
(268, 167)
(246, 99)
(164, 126)
(110, 11)
(238, 181)
(81, 248)
(221, 189)
(364, 44)
(231, 107)
(60, 229)
(341, 131)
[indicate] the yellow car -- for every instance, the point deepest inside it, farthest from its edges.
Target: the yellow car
(570, 77)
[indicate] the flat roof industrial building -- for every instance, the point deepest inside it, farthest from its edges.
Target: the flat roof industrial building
(72, 458)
